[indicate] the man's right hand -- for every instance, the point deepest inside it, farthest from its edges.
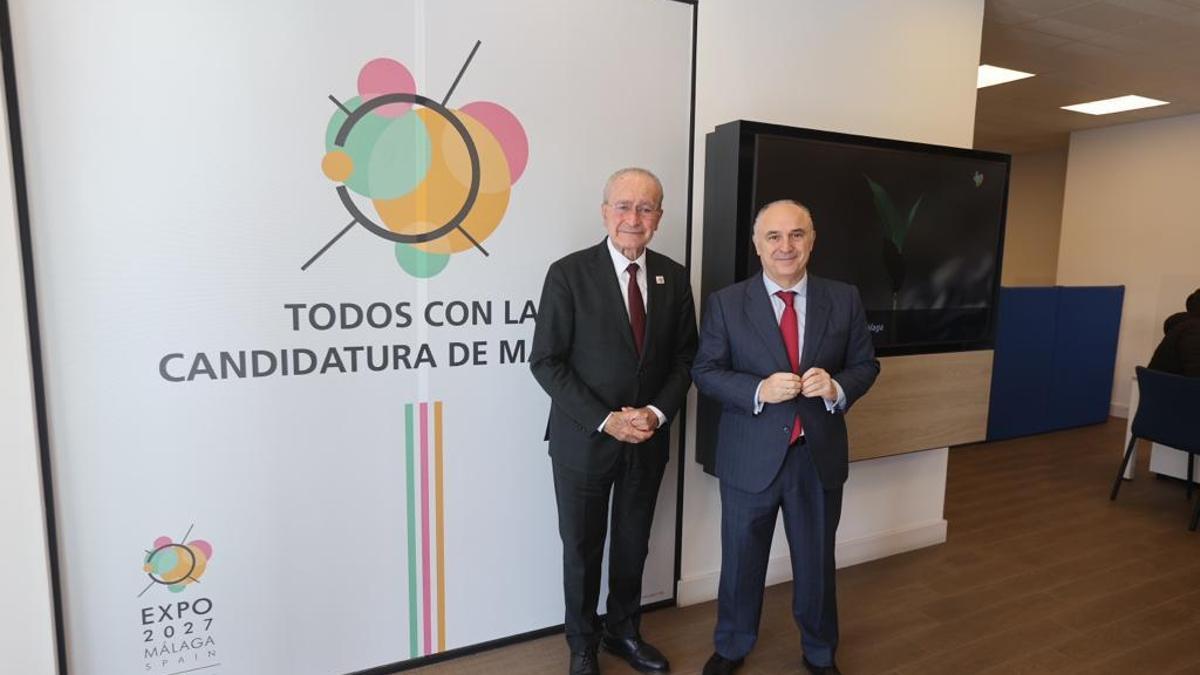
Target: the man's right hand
(619, 425)
(779, 387)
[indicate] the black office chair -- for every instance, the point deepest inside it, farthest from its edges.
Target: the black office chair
(1168, 413)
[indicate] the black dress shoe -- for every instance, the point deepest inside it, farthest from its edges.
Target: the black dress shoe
(719, 665)
(830, 669)
(584, 662)
(640, 654)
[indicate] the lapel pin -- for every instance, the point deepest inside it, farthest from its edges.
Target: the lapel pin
(660, 280)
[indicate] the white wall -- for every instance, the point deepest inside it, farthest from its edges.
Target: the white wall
(894, 70)
(1129, 218)
(26, 623)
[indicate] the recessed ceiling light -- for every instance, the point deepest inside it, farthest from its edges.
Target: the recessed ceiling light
(989, 75)
(1115, 105)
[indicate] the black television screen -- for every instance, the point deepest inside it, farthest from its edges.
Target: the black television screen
(917, 228)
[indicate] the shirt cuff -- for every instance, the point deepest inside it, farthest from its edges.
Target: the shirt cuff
(662, 419)
(840, 404)
(603, 422)
(758, 404)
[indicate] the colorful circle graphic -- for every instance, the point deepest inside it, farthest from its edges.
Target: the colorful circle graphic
(438, 179)
(176, 565)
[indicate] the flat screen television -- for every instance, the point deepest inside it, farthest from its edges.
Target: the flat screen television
(917, 228)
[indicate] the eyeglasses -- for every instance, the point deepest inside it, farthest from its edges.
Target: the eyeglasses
(642, 210)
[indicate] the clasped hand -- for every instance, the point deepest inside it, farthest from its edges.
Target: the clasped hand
(780, 387)
(631, 425)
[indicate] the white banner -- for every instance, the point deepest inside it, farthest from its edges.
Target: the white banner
(288, 256)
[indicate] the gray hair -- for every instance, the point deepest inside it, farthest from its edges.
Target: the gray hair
(777, 202)
(633, 170)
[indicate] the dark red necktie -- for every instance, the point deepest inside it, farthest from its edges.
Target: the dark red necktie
(637, 309)
(790, 329)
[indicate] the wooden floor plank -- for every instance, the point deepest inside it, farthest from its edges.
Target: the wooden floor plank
(1040, 574)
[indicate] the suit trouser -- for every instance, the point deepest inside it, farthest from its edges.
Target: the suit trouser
(583, 501)
(583, 523)
(810, 517)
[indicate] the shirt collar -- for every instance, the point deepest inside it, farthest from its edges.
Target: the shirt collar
(620, 262)
(801, 287)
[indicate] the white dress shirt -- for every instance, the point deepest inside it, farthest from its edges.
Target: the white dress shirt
(800, 303)
(621, 267)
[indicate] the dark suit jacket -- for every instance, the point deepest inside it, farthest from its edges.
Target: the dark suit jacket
(583, 353)
(740, 344)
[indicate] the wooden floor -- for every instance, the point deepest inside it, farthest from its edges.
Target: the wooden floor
(1040, 574)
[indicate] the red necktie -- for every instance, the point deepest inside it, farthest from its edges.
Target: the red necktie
(637, 309)
(790, 329)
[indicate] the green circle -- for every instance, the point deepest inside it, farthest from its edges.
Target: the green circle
(420, 264)
(164, 561)
(391, 155)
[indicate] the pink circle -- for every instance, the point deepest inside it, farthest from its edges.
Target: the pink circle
(202, 546)
(385, 76)
(161, 542)
(507, 129)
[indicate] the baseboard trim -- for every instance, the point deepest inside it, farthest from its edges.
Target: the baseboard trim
(703, 587)
(890, 542)
(1118, 410)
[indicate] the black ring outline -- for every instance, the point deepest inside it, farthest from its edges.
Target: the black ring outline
(472, 153)
(163, 548)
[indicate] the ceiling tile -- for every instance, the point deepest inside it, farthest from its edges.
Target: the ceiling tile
(1011, 47)
(1184, 58)
(1084, 51)
(1022, 36)
(1038, 8)
(1102, 16)
(1003, 14)
(1161, 8)
(1091, 51)
(1121, 43)
(1161, 32)
(1190, 18)
(1066, 29)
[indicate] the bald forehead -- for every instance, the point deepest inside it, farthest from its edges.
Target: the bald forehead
(782, 216)
(636, 176)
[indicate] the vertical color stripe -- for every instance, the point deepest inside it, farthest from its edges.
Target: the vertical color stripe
(426, 601)
(412, 530)
(441, 522)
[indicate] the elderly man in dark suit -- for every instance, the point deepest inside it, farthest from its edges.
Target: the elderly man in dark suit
(615, 339)
(786, 354)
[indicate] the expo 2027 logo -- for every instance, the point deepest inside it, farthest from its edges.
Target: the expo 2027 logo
(438, 179)
(176, 564)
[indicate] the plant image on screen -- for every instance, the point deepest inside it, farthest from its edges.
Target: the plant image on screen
(895, 227)
(917, 229)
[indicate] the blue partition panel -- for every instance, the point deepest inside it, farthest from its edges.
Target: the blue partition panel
(1085, 348)
(1024, 355)
(1056, 349)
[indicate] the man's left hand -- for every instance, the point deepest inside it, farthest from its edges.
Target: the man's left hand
(816, 382)
(643, 418)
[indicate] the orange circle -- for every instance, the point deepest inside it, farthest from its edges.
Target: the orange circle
(445, 188)
(337, 165)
